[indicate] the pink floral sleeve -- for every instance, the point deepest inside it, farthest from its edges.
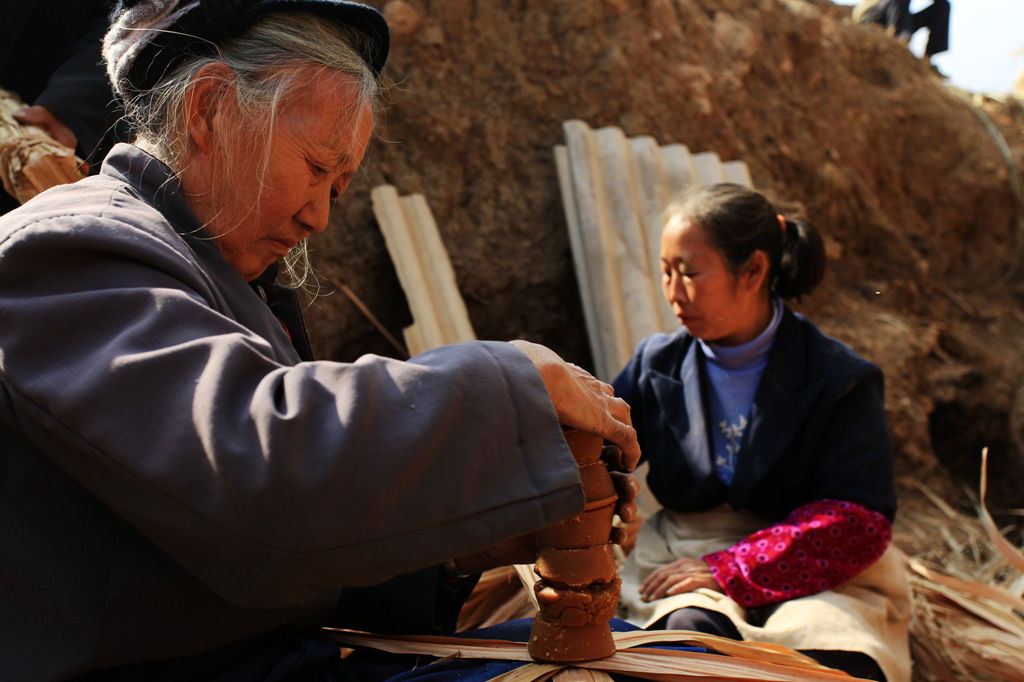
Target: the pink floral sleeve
(817, 547)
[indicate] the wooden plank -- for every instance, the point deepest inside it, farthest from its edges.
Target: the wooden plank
(629, 251)
(737, 171)
(448, 305)
(424, 270)
(415, 340)
(657, 173)
(584, 280)
(591, 206)
(708, 168)
(614, 193)
(679, 168)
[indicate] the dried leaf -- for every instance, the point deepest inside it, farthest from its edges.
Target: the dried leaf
(652, 664)
(528, 578)
(1009, 552)
(989, 592)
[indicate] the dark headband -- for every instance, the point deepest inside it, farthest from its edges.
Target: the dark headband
(197, 31)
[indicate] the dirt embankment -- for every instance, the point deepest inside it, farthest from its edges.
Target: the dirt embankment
(909, 179)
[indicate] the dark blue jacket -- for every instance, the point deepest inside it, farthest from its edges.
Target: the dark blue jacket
(817, 426)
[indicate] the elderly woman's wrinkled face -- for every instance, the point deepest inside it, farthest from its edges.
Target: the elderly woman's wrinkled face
(318, 141)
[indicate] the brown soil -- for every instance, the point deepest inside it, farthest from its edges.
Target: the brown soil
(906, 176)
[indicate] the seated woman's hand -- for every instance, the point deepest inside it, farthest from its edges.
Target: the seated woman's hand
(682, 575)
(584, 402)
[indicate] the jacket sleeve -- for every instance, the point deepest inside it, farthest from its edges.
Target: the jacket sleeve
(268, 482)
(815, 548)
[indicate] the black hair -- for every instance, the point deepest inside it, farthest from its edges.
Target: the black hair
(739, 221)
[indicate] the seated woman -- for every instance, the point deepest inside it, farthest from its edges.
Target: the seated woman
(768, 450)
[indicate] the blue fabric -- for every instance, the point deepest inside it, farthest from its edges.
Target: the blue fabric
(299, 655)
(733, 375)
(375, 666)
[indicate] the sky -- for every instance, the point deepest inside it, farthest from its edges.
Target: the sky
(983, 36)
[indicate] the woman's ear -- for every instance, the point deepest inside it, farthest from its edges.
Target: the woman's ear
(755, 271)
(205, 104)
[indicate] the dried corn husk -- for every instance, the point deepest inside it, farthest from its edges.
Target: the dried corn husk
(1008, 551)
(742, 660)
(497, 598)
(30, 160)
(966, 622)
(527, 577)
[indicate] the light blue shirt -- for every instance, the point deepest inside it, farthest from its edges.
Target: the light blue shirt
(734, 373)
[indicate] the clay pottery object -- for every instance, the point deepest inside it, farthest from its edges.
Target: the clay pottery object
(552, 642)
(578, 591)
(585, 447)
(597, 482)
(576, 567)
(573, 607)
(592, 527)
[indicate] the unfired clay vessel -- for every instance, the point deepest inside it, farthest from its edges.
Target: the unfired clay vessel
(578, 590)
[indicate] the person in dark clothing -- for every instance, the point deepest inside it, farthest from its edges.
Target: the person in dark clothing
(50, 57)
(896, 14)
(767, 448)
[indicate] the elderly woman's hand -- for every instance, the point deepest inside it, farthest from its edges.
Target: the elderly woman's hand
(583, 402)
(626, 487)
(523, 549)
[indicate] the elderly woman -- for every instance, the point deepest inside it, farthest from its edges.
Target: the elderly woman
(184, 493)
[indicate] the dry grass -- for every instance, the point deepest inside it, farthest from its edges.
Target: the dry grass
(498, 598)
(967, 623)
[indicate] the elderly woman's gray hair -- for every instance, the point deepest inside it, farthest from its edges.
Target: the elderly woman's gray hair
(270, 61)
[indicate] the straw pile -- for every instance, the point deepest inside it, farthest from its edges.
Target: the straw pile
(968, 617)
(30, 160)
(500, 596)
